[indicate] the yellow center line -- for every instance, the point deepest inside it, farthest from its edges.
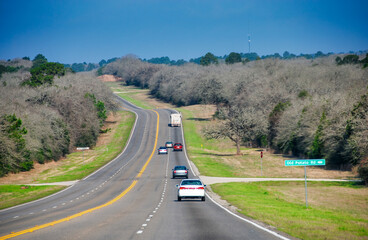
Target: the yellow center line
(35, 228)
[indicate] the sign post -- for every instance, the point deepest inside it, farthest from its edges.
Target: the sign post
(261, 163)
(82, 148)
(305, 163)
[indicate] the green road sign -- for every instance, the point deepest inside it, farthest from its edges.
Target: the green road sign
(307, 162)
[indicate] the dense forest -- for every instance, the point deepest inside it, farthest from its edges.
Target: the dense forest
(310, 108)
(46, 110)
(251, 56)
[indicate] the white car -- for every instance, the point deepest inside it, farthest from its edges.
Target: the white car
(162, 150)
(169, 144)
(191, 188)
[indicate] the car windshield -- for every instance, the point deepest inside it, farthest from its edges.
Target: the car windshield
(180, 168)
(191, 182)
(162, 147)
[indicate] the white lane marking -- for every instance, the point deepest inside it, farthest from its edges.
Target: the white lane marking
(140, 232)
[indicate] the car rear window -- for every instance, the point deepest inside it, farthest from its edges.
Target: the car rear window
(180, 168)
(191, 182)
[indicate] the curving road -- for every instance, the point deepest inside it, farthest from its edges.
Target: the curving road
(132, 197)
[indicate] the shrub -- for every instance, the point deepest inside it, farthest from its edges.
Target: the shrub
(44, 74)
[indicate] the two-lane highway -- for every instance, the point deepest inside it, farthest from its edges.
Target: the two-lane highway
(133, 197)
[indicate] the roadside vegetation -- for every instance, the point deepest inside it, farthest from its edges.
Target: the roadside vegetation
(306, 108)
(14, 189)
(46, 111)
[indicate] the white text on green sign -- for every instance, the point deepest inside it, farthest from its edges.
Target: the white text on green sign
(307, 162)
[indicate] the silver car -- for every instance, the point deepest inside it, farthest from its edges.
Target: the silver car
(162, 150)
(191, 188)
(180, 171)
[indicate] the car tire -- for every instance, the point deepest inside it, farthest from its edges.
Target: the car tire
(203, 199)
(179, 198)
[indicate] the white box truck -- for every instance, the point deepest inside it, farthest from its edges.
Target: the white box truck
(175, 120)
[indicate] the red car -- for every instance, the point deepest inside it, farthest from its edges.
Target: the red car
(178, 147)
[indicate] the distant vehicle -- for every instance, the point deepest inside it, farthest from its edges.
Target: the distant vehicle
(169, 144)
(175, 120)
(191, 188)
(178, 147)
(180, 171)
(162, 150)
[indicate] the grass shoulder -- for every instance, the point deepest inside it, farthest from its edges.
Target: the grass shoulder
(11, 195)
(330, 215)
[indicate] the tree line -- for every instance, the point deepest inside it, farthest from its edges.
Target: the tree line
(46, 111)
(310, 108)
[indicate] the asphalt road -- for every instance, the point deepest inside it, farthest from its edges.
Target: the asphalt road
(133, 197)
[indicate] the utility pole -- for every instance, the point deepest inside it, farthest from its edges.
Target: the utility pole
(248, 43)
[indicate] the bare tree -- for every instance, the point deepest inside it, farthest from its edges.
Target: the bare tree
(237, 123)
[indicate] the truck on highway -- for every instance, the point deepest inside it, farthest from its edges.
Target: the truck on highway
(175, 120)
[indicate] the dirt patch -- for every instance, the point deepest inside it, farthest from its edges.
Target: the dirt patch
(202, 112)
(109, 78)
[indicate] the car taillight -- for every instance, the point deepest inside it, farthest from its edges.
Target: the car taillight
(186, 171)
(183, 188)
(200, 187)
(174, 171)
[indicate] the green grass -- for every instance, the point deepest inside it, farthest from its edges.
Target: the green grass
(11, 195)
(129, 98)
(101, 155)
(264, 202)
(199, 149)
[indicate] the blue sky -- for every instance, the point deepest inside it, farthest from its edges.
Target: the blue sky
(69, 31)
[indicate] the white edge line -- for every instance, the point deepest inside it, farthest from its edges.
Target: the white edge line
(130, 137)
(227, 210)
(248, 221)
